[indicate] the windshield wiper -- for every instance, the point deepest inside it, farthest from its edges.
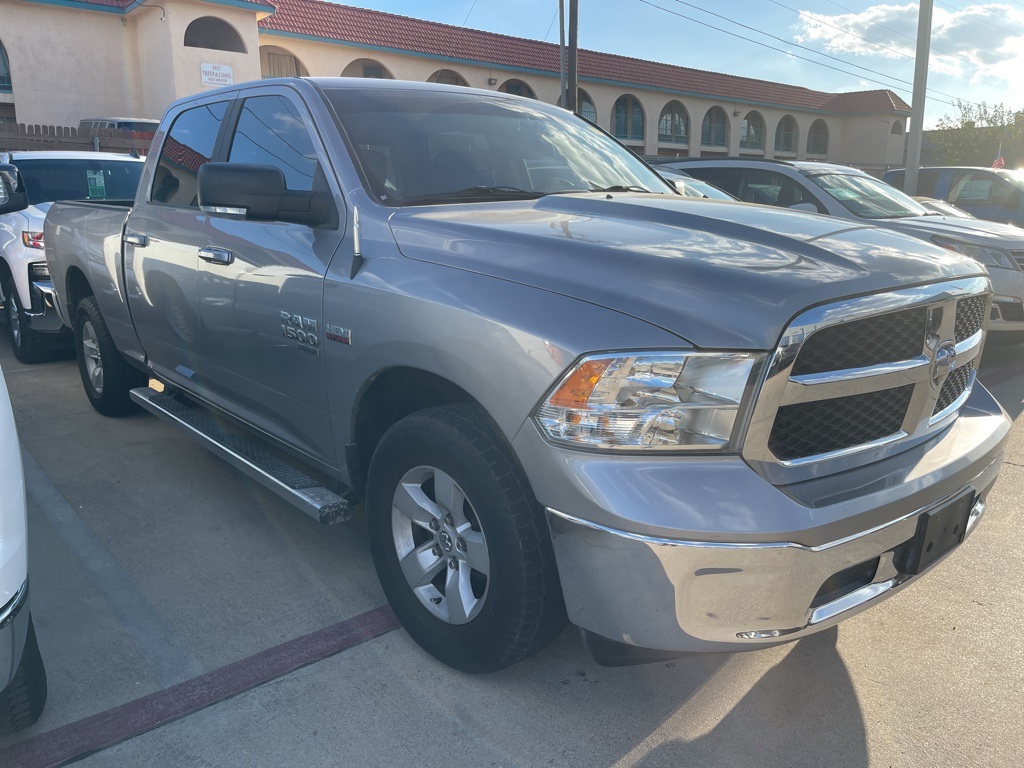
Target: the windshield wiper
(478, 193)
(618, 188)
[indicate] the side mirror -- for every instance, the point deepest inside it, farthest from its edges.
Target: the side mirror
(13, 197)
(808, 207)
(260, 193)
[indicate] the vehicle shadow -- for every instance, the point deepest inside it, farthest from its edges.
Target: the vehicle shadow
(792, 706)
(1002, 373)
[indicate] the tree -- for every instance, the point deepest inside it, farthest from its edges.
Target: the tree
(974, 133)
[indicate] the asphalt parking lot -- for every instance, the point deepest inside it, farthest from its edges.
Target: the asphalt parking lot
(189, 618)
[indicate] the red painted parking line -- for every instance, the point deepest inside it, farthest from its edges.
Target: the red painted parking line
(76, 740)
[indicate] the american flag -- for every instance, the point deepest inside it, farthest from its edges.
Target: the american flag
(998, 162)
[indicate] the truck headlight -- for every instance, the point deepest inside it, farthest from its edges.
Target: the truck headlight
(650, 401)
(991, 257)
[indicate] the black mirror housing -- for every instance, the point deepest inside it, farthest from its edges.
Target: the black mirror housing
(13, 197)
(249, 190)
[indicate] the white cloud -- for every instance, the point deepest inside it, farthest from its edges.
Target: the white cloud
(983, 41)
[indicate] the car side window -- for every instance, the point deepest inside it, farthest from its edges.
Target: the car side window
(926, 182)
(972, 189)
(188, 145)
(271, 131)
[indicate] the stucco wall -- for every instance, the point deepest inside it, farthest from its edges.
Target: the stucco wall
(65, 63)
(870, 137)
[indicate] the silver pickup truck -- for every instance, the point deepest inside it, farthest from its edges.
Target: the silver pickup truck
(561, 389)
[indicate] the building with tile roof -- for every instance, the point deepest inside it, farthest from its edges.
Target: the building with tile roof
(134, 57)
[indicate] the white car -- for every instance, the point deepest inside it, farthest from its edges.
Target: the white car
(22, 675)
(33, 326)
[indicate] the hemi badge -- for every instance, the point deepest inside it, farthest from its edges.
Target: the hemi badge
(337, 333)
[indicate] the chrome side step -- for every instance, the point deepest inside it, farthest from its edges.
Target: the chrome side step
(291, 484)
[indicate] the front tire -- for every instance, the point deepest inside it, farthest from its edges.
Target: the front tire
(106, 375)
(24, 341)
(459, 543)
(22, 701)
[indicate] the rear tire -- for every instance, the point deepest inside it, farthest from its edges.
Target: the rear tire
(24, 341)
(106, 375)
(22, 701)
(460, 545)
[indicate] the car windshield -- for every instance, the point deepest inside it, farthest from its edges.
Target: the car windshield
(698, 188)
(867, 197)
(428, 147)
(55, 179)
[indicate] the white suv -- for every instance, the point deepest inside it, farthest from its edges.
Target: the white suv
(838, 190)
(32, 324)
(22, 675)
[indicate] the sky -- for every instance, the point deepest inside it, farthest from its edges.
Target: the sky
(977, 48)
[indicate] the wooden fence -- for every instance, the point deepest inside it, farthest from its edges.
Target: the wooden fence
(21, 137)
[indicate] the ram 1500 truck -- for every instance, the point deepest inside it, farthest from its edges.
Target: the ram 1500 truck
(562, 389)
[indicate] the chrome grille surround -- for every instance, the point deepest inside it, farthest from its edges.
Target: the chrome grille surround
(923, 372)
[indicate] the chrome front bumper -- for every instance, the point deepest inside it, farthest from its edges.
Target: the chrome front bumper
(14, 618)
(730, 588)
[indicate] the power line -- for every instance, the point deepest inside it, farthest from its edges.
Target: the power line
(811, 50)
(469, 13)
(787, 53)
(975, 13)
(905, 55)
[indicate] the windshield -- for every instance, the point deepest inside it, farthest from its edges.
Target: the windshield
(867, 197)
(49, 180)
(698, 188)
(422, 147)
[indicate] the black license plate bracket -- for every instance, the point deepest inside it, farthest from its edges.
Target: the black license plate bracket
(938, 531)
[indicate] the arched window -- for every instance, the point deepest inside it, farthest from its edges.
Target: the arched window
(517, 88)
(277, 62)
(817, 138)
(585, 104)
(367, 68)
(448, 77)
(752, 131)
(5, 71)
(210, 32)
(674, 124)
(714, 131)
(897, 128)
(785, 135)
(628, 122)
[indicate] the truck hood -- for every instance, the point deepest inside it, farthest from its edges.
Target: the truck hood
(720, 275)
(972, 231)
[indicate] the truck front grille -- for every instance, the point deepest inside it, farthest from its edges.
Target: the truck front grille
(970, 317)
(862, 343)
(957, 383)
(809, 429)
(868, 373)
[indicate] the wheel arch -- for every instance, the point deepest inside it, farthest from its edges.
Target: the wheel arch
(386, 398)
(76, 288)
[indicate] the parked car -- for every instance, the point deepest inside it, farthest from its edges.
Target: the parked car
(848, 193)
(33, 327)
(561, 388)
(688, 186)
(142, 127)
(22, 673)
(942, 207)
(995, 194)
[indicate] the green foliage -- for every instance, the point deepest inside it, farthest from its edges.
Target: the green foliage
(973, 134)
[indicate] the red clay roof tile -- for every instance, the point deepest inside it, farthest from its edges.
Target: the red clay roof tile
(365, 27)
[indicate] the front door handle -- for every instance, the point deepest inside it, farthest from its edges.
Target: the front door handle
(216, 255)
(139, 241)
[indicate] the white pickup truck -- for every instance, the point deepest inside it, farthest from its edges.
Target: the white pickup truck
(33, 326)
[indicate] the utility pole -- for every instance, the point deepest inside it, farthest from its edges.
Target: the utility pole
(561, 49)
(915, 134)
(574, 13)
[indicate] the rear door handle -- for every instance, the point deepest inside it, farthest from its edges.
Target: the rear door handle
(216, 255)
(139, 241)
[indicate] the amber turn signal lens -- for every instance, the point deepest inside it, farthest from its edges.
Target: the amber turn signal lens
(575, 390)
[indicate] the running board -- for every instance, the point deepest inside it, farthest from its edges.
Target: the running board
(291, 484)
